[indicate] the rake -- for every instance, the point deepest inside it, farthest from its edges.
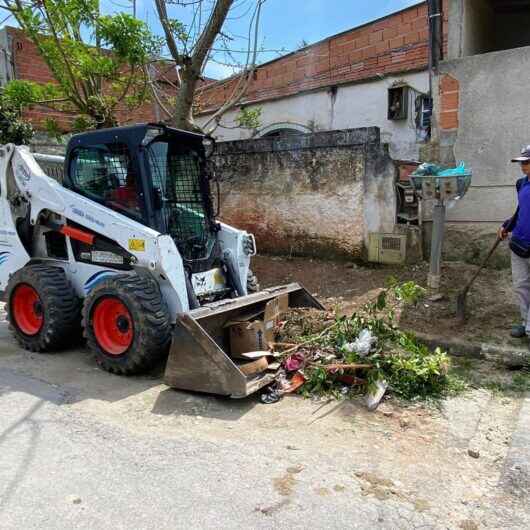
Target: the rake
(461, 298)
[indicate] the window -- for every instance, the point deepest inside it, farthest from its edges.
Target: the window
(398, 103)
(105, 173)
(483, 26)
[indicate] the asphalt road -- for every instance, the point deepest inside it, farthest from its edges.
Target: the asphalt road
(80, 448)
(62, 469)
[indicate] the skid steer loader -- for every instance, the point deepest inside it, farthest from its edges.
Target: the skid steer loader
(128, 250)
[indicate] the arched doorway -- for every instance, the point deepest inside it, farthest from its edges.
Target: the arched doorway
(282, 129)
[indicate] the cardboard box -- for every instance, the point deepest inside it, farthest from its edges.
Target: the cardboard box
(251, 334)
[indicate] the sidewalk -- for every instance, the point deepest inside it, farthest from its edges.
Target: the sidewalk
(505, 355)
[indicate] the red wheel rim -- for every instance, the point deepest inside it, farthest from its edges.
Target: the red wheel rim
(113, 326)
(27, 309)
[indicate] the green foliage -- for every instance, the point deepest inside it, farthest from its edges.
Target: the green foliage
(180, 32)
(83, 123)
(249, 118)
(52, 128)
(416, 372)
(409, 367)
(97, 60)
(13, 129)
(408, 292)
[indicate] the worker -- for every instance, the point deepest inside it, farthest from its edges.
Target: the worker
(519, 226)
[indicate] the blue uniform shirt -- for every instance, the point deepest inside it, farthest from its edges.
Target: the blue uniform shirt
(521, 230)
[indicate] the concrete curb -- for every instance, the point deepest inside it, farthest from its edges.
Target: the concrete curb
(516, 473)
(509, 357)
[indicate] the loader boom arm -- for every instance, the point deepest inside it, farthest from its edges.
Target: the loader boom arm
(152, 251)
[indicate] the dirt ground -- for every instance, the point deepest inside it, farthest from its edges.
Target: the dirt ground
(491, 306)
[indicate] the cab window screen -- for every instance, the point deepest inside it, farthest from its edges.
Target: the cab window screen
(105, 173)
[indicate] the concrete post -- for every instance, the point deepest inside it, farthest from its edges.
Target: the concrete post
(438, 219)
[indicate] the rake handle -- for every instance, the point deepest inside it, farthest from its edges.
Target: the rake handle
(478, 271)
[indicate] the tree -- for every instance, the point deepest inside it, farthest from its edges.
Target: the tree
(98, 61)
(192, 46)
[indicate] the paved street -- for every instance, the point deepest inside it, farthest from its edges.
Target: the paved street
(80, 448)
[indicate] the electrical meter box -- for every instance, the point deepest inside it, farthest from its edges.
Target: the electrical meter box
(387, 248)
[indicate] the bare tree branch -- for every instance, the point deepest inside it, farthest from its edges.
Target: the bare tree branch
(166, 26)
(245, 77)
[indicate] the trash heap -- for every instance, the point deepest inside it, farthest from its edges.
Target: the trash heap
(365, 353)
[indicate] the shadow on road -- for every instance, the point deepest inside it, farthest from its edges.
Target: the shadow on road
(170, 402)
(78, 377)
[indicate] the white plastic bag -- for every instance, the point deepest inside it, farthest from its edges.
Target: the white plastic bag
(362, 344)
(374, 397)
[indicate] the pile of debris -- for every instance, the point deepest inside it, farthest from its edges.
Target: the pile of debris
(365, 353)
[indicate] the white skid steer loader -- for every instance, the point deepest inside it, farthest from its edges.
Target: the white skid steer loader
(128, 249)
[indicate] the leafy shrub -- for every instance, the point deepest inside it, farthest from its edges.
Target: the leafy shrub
(13, 129)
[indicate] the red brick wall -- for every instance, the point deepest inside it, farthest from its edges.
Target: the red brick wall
(394, 44)
(449, 99)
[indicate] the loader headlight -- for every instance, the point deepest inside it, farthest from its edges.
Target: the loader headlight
(249, 245)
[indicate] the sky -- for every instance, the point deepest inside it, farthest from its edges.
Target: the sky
(284, 25)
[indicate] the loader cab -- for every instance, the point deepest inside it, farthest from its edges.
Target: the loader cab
(153, 174)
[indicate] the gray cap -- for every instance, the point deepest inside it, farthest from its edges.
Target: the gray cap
(525, 155)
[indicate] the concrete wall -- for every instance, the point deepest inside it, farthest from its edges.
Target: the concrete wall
(350, 106)
(317, 194)
(490, 92)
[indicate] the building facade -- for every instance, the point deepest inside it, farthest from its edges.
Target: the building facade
(481, 100)
(372, 75)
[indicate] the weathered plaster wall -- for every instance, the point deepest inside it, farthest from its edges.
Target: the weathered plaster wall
(317, 194)
(492, 126)
(351, 106)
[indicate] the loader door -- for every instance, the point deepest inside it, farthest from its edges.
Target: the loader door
(178, 177)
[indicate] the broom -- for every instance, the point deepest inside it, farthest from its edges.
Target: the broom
(461, 298)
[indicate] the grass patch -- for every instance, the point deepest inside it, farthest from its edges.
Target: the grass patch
(473, 373)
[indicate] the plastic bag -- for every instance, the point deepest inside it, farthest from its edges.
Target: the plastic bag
(426, 169)
(362, 344)
(461, 169)
(375, 395)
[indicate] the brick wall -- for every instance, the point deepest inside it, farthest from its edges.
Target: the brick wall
(394, 44)
(449, 88)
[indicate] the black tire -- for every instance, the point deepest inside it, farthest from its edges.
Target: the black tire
(252, 283)
(58, 308)
(147, 323)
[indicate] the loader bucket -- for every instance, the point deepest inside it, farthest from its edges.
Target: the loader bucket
(199, 358)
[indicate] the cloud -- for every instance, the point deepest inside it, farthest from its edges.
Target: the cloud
(219, 71)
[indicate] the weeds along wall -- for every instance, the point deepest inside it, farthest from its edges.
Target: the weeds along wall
(314, 194)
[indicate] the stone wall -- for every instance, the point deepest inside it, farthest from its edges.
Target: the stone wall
(317, 194)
